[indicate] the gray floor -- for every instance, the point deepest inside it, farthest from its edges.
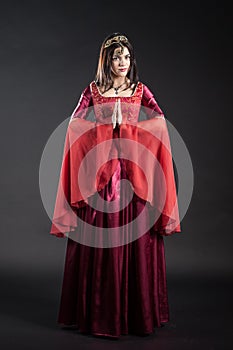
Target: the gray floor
(200, 310)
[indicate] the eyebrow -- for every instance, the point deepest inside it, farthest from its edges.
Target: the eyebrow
(119, 54)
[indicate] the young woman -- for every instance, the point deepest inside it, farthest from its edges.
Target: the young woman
(118, 287)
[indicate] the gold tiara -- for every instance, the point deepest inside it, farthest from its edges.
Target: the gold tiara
(115, 39)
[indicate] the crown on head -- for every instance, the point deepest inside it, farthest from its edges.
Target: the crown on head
(115, 39)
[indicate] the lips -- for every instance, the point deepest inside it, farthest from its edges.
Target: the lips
(123, 69)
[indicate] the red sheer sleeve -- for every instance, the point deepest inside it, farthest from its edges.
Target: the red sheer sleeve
(78, 180)
(64, 216)
(153, 133)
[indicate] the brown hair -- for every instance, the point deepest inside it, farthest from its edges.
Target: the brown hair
(103, 75)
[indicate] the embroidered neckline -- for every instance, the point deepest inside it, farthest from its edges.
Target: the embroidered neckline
(97, 89)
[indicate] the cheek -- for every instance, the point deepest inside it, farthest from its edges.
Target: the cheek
(114, 66)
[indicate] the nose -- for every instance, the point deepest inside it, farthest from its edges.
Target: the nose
(122, 61)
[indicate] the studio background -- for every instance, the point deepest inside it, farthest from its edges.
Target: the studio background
(48, 55)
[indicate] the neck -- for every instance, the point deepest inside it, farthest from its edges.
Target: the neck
(117, 81)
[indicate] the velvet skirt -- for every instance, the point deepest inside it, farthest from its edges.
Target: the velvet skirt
(117, 290)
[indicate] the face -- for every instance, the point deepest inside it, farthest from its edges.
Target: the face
(120, 62)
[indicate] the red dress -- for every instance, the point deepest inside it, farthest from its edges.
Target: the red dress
(119, 289)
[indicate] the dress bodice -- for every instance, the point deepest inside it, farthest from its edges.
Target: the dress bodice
(104, 106)
(112, 109)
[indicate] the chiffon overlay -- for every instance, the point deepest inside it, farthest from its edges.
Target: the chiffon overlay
(116, 199)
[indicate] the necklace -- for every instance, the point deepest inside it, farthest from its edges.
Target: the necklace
(117, 88)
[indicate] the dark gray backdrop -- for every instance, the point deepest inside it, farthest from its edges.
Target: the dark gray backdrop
(48, 55)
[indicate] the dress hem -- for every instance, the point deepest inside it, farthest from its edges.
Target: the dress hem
(74, 326)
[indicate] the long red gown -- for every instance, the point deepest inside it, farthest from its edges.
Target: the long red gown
(122, 289)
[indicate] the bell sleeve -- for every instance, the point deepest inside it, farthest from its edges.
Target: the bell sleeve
(81, 172)
(168, 222)
(64, 215)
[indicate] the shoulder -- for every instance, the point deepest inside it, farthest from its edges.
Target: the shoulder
(145, 87)
(91, 84)
(146, 91)
(86, 92)
(86, 97)
(94, 88)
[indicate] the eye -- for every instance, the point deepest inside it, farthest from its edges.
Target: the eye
(115, 58)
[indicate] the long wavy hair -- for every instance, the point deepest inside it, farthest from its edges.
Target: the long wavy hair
(103, 75)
